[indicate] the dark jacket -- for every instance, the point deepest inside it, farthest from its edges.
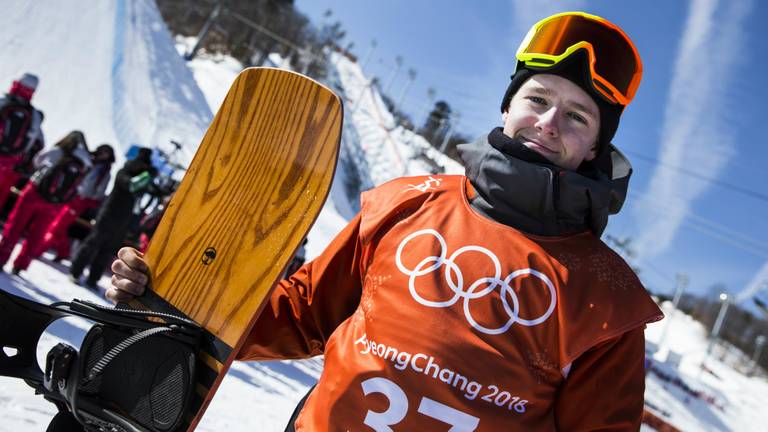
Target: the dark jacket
(25, 136)
(518, 187)
(117, 213)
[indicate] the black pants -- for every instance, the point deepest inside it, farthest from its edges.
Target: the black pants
(64, 421)
(97, 250)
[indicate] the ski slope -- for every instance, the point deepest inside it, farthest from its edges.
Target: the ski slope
(719, 397)
(110, 68)
(107, 68)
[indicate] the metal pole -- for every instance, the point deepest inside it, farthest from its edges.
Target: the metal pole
(715, 331)
(203, 32)
(759, 344)
(411, 79)
(682, 282)
(425, 109)
(398, 64)
(718, 321)
(449, 133)
(369, 54)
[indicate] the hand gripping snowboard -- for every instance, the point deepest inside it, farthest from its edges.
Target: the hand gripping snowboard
(253, 190)
(251, 194)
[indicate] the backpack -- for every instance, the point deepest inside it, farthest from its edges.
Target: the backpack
(58, 183)
(26, 166)
(15, 120)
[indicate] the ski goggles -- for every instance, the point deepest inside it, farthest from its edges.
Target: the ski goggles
(614, 63)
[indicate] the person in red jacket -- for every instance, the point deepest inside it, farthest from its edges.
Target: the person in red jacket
(483, 302)
(20, 134)
(54, 183)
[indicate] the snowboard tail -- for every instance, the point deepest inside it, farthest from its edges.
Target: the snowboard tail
(126, 364)
(253, 190)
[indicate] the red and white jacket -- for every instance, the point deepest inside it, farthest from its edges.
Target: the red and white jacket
(431, 316)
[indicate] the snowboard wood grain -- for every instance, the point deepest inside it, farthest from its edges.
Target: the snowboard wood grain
(252, 192)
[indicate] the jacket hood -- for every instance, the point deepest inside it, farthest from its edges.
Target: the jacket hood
(520, 188)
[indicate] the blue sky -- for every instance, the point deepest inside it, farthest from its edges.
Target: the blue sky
(700, 108)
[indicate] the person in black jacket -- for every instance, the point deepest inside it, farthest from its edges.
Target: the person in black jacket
(116, 216)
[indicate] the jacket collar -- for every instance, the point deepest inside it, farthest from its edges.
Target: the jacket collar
(520, 188)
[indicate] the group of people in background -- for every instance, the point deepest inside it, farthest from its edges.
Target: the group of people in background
(58, 185)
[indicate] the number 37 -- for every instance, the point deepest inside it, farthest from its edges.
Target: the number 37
(398, 408)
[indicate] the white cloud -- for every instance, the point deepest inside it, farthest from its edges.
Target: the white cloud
(758, 283)
(696, 130)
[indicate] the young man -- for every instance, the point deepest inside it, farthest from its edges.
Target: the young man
(484, 302)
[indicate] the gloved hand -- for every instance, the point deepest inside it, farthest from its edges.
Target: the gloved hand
(140, 182)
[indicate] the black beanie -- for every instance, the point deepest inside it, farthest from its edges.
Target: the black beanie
(105, 148)
(575, 68)
(144, 155)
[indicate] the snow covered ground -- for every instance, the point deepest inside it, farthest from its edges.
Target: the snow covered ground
(267, 391)
(727, 398)
(111, 70)
(106, 68)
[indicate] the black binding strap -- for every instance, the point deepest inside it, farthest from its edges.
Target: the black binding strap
(132, 373)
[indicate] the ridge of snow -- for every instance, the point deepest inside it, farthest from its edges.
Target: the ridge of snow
(84, 51)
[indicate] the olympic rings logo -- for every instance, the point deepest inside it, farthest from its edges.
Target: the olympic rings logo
(455, 280)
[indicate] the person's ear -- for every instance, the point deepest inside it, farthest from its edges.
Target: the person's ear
(592, 152)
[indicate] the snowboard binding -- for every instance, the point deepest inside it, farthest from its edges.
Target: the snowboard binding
(134, 371)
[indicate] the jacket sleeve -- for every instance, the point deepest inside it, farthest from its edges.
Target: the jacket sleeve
(605, 388)
(307, 307)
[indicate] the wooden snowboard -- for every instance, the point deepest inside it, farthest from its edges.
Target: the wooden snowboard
(252, 192)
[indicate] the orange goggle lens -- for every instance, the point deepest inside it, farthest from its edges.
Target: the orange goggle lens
(615, 64)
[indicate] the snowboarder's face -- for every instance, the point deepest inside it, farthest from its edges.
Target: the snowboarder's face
(555, 118)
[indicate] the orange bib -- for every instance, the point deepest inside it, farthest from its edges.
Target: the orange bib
(463, 321)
